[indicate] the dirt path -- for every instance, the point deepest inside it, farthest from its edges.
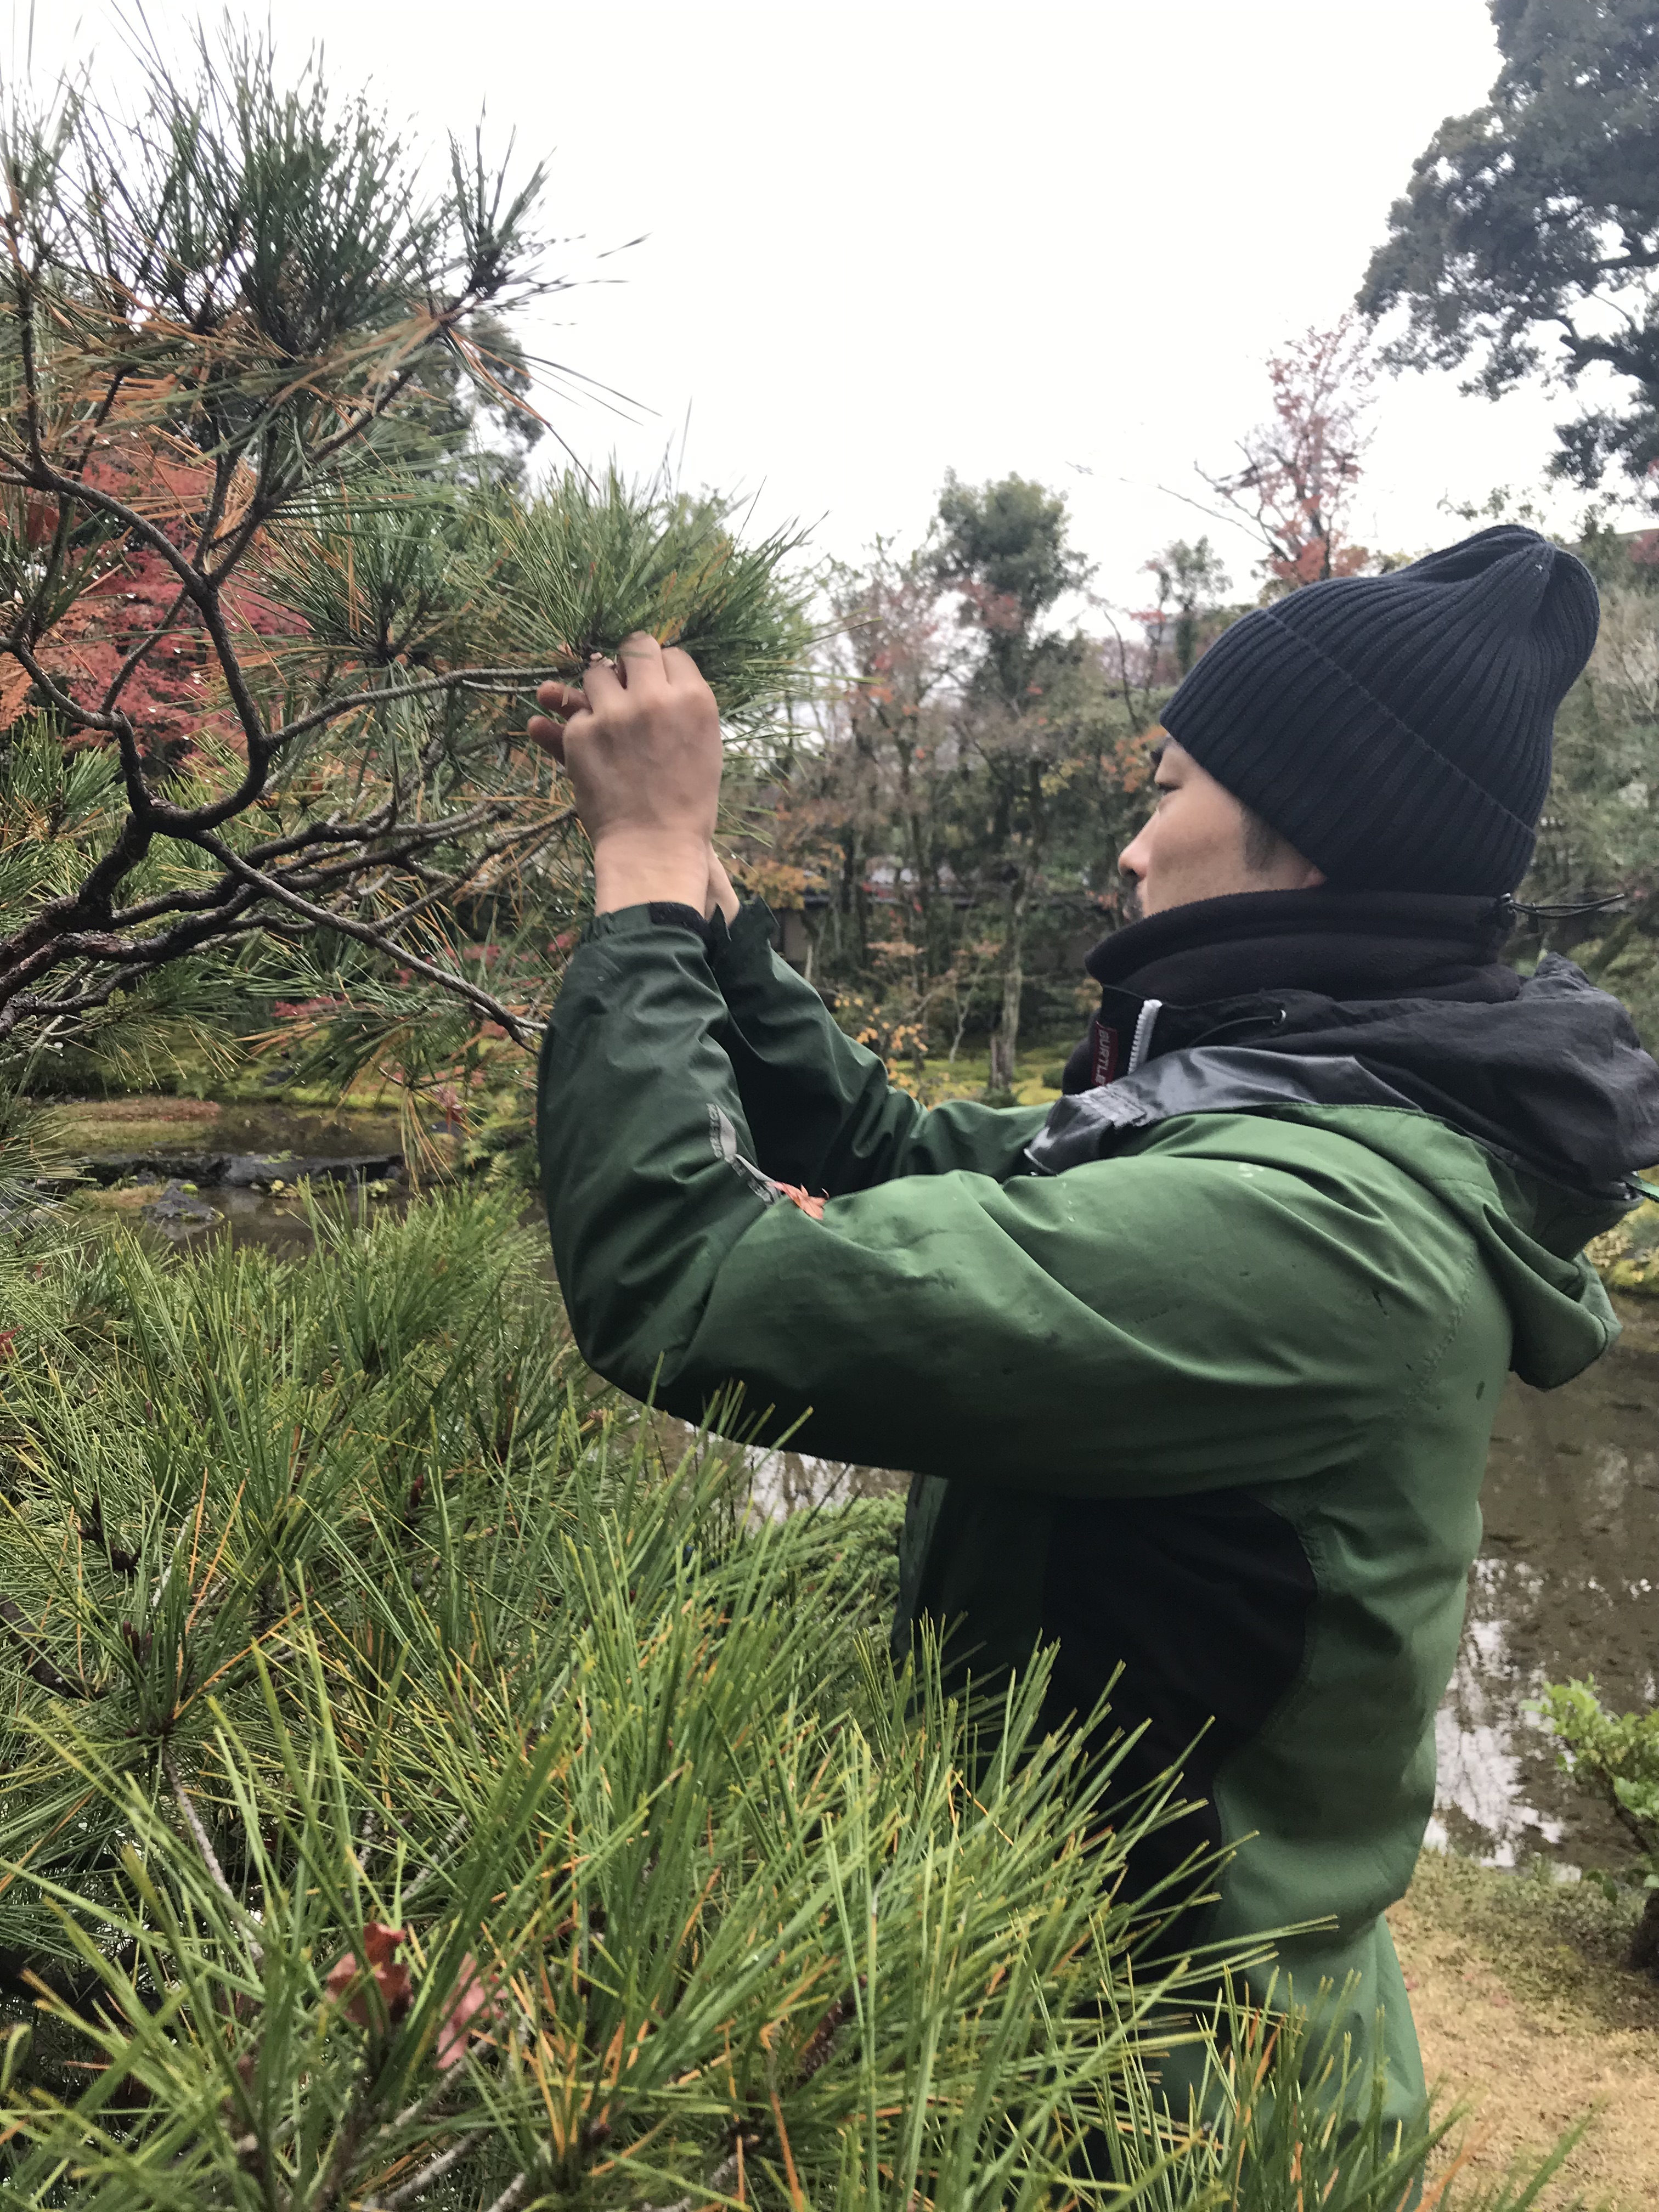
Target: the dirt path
(1524, 2011)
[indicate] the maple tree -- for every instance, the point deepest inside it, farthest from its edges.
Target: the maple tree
(1298, 473)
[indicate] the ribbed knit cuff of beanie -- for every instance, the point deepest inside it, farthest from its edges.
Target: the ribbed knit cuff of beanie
(1397, 729)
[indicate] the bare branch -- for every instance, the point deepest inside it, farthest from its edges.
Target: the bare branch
(36, 1664)
(515, 680)
(204, 1845)
(512, 2195)
(518, 1028)
(141, 651)
(85, 718)
(429, 2175)
(718, 2182)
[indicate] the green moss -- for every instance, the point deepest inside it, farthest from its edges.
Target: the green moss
(95, 1125)
(1558, 1946)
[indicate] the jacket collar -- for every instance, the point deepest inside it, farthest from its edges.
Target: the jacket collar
(1236, 969)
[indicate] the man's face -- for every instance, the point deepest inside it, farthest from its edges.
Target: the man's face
(1193, 846)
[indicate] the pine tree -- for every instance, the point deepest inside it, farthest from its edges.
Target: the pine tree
(419, 1785)
(275, 604)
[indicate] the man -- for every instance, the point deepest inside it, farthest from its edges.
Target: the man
(1196, 1372)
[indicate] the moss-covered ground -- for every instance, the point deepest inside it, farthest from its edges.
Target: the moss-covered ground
(1525, 2011)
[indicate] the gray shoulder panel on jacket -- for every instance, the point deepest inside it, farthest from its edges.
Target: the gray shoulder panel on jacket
(1208, 1079)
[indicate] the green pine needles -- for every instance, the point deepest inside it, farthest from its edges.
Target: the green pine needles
(276, 584)
(424, 1784)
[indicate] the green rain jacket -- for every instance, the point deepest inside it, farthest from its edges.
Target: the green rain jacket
(1202, 1387)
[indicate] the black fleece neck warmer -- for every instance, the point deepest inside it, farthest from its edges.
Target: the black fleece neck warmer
(1233, 969)
(1356, 997)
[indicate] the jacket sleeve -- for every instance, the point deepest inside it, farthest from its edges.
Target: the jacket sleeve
(820, 1108)
(1154, 1321)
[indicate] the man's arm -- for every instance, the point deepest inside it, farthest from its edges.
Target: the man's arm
(1228, 1305)
(1242, 1305)
(641, 743)
(820, 1108)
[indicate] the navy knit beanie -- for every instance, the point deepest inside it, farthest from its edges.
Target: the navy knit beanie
(1396, 729)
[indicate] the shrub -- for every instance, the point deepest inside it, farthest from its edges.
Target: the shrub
(1615, 1757)
(420, 1784)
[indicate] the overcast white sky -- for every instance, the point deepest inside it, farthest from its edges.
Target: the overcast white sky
(882, 240)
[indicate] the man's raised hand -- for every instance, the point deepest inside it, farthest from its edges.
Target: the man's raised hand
(640, 741)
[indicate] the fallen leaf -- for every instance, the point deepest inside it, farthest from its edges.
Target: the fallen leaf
(389, 1976)
(812, 1207)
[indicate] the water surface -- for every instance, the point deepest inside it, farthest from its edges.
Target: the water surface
(1567, 1583)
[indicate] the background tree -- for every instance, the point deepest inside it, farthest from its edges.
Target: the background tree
(1192, 585)
(872, 800)
(1003, 552)
(949, 815)
(1528, 235)
(1298, 472)
(1599, 837)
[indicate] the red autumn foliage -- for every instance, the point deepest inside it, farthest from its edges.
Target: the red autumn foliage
(172, 697)
(473, 2005)
(1301, 468)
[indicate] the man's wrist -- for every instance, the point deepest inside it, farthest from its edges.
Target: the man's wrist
(644, 871)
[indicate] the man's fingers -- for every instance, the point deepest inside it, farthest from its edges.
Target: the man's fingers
(640, 661)
(601, 687)
(640, 673)
(550, 736)
(561, 699)
(678, 666)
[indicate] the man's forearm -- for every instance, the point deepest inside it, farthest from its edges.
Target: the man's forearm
(631, 869)
(640, 1131)
(822, 1108)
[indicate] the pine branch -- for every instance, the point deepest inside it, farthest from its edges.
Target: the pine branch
(204, 1844)
(428, 2176)
(520, 1030)
(519, 680)
(38, 1667)
(718, 2182)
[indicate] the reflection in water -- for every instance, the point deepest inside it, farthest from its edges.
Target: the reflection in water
(1567, 1583)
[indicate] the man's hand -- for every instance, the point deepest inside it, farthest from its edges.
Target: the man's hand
(640, 741)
